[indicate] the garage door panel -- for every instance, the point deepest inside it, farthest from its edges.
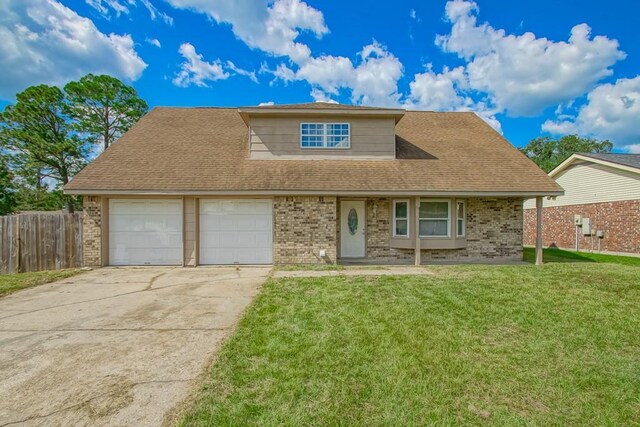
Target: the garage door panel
(144, 207)
(142, 256)
(145, 232)
(146, 239)
(236, 231)
(141, 222)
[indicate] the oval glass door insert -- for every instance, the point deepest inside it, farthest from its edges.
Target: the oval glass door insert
(352, 221)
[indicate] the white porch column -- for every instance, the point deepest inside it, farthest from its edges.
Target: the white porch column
(416, 227)
(539, 231)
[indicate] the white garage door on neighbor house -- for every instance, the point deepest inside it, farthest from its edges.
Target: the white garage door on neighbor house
(236, 231)
(145, 232)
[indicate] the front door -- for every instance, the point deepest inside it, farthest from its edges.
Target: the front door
(352, 221)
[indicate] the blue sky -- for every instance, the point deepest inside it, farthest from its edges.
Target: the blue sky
(529, 68)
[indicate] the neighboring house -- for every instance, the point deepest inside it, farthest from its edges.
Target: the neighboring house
(602, 193)
(307, 183)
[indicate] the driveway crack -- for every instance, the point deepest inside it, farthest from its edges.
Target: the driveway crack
(152, 281)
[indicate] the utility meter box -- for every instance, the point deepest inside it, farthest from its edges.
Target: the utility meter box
(577, 219)
(586, 227)
(600, 234)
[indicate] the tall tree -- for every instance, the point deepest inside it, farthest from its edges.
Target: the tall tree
(8, 201)
(104, 107)
(38, 135)
(549, 153)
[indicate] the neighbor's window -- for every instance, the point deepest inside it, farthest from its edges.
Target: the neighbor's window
(400, 218)
(325, 135)
(461, 219)
(434, 218)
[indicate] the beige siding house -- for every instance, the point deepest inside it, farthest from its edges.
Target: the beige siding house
(602, 193)
(306, 183)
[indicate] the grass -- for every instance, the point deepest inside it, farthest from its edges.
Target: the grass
(10, 283)
(469, 345)
(552, 255)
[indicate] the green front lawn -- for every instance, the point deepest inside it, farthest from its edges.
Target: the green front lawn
(504, 345)
(13, 282)
(551, 255)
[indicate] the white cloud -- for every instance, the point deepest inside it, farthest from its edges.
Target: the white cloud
(250, 74)
(43, 41)
(523, 74)
(267, 103)
(270, 27)
(195, 70)
(154, 13)
(107, 7)
(104, 6)
(611, 111)
(153, 42)
(447, 91)
(283, 72)
(319, 96)
(413, 14)
(373, 80)
(439, 91)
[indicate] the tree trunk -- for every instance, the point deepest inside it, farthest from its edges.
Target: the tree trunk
(69, 199)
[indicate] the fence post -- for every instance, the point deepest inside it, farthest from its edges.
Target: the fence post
(18, 243)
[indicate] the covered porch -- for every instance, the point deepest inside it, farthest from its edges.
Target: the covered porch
(429, 230)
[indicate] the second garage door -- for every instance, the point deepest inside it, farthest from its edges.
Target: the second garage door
(236, 231)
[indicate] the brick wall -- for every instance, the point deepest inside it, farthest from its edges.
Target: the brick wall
(92, 231)
(302, 227)
(494, 232)
(620, 222)
(379, 233)
(494, 228)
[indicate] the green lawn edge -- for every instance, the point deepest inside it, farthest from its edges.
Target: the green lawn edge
(10, 283)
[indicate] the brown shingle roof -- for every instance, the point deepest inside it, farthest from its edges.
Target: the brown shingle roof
(206, 150)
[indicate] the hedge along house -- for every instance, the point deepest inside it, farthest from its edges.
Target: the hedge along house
(600, 210)
(306, 183)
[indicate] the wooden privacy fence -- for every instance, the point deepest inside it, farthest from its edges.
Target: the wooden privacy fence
(40, 241)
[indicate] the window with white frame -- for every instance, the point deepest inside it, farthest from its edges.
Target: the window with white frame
(400, 218)
(325, 135)
(461, 222)
(435, 218)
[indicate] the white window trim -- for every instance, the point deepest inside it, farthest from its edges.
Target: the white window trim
(324, 136)
(401, 236)
(448, 236)
(464, 219)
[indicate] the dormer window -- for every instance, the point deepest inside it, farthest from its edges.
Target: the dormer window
(325, 135)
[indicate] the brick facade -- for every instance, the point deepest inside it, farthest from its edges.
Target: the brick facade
(92, 231)
(302, 226)
(379, 233)
(493, 232)
(619, 220)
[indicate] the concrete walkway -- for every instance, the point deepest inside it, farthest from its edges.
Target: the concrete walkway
(115, 346)
(355, 271)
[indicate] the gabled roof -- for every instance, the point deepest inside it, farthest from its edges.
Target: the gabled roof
(206, 151)
(627, 162)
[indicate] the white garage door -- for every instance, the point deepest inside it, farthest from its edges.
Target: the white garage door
(145, 232)
(236, 231)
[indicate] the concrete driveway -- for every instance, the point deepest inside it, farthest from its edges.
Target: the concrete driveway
(115, 346)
